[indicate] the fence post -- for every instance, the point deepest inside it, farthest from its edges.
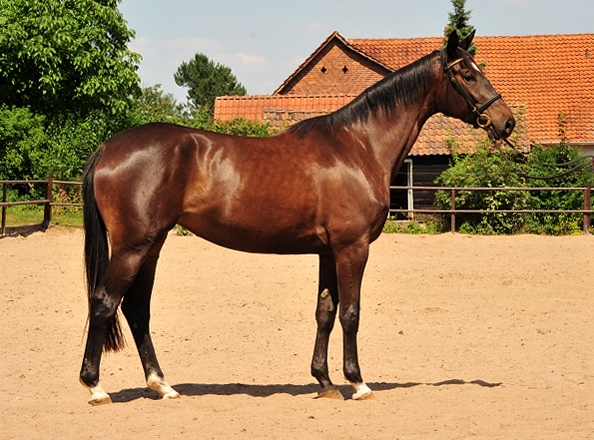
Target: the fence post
(587, 207)
(453, 217)
(4, 200)
(47, 212)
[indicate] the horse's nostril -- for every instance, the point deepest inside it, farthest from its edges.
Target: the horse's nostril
(509, 125)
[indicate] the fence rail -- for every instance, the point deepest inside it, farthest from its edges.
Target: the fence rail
(48, 203)
(586, 211)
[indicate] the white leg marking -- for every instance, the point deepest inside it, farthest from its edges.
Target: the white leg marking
(160, 386)
(98, 395)
(362, 391)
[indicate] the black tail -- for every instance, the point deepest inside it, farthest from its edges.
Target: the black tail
(97, 249)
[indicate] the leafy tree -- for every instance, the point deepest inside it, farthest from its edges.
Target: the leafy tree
(459, 21)
(207, 80)
(66, 55)
(22, 142)
(154, 105)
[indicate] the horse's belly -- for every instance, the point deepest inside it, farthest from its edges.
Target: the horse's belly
(259, 235)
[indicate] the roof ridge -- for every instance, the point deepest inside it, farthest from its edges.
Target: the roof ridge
(579, 34)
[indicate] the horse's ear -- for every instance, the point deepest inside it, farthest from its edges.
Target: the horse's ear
(465, 43)
(453, 41)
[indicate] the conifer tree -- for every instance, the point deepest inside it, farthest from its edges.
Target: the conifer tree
(206, 80)
(459, 21)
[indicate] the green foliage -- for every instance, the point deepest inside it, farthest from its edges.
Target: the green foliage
(207, 80)
(72, 140)
(485, 168)
(459, 21)
(22, 143)
(154, 105)
(68, 82)
(60, 56)
(556, 224)
(392, 226)
(32, 147)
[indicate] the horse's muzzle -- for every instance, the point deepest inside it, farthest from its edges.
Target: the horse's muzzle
(496, 133)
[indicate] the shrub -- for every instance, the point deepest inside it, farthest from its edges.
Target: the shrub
(483, 168)
(492, 169)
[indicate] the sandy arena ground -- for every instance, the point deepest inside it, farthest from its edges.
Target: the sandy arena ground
(461, 337)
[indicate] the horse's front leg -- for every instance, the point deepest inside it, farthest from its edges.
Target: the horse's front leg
(325, 316)
(350, 265)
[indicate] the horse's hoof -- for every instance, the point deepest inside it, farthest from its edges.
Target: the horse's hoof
(100, 401)
(331, 393)
(173, 395)
(362, 392)
(366, 396)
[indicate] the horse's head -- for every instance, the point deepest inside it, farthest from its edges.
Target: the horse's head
(468, 95)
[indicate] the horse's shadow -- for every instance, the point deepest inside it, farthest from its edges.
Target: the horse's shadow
(231, 389)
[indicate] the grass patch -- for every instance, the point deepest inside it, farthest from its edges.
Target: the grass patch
(30, 215)
(393, 226)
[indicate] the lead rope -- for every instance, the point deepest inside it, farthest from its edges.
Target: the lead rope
(588, 162)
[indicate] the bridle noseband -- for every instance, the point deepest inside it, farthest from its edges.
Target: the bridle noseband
(482, 119)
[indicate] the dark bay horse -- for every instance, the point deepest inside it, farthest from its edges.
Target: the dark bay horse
(321, 187)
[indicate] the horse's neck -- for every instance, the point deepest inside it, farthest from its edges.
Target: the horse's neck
(392, 136)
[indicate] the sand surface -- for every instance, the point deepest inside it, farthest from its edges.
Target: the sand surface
(461, 337)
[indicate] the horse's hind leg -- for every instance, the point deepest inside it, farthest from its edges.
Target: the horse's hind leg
(136, 308)
(104, 303)
(124, 265)
(325, 317)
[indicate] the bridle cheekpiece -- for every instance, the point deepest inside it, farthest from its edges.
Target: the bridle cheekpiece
(482, 119)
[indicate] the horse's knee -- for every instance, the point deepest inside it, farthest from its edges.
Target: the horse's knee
(349, 318)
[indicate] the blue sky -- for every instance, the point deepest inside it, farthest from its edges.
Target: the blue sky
(264, 41)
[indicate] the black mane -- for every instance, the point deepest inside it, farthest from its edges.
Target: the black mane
(397, 88)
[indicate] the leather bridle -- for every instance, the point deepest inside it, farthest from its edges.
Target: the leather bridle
(482, 119)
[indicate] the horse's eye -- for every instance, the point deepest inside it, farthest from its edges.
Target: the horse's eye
(468, 77)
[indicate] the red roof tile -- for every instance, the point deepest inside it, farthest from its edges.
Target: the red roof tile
(277, 108)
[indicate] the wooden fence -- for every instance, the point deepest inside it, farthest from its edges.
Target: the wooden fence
(586, 211)
(49, 203)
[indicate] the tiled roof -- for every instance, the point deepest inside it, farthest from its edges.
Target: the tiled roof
(287, 109)
(278, 108)
(546, 73)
